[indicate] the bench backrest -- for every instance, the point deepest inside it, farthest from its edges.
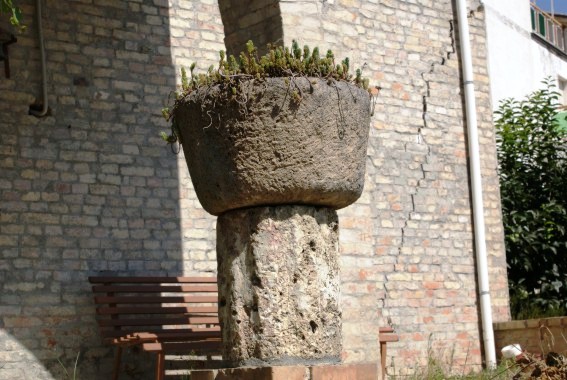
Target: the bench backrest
(169, 305)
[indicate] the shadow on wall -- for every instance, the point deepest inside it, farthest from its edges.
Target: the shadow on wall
(259, 21)
(91, 188)
(87, 190)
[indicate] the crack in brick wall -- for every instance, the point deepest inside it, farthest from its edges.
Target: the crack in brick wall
(419, 136)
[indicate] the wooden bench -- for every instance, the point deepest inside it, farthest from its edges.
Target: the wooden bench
(385, 335)
(160, 314)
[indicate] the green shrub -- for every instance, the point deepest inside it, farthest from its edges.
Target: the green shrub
(15, 14)
(533, 186)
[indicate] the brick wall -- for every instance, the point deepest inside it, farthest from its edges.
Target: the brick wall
(407, 244)
(534, 336)
(91, 188)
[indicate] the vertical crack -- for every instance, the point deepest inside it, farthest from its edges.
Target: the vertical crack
(420, 139)
(452, 36)
(444, 57)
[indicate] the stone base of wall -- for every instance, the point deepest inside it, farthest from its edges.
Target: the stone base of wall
(536, 336)
(362, 371)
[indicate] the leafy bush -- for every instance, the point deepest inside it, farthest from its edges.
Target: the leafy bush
(8, 7)
(533, 184)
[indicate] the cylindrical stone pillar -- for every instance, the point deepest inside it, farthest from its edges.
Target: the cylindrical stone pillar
(278, 274)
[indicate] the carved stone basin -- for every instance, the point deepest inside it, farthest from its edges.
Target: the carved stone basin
(277, 141)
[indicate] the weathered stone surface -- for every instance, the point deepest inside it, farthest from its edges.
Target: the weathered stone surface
(279, 283)
(269, 149)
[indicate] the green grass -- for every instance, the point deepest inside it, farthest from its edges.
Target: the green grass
(441, 364)
(435, 370)
(74, 373)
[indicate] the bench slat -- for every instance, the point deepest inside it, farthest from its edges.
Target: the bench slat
(158, 310)
(154, 288)
(384, 338)
(180, 336)
(158, 321)
(111, 333)
(150, 280)
(154, 299)
(140, 338)
(200, 346)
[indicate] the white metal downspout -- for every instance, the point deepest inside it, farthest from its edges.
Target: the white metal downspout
(476, 182)
(45, 106)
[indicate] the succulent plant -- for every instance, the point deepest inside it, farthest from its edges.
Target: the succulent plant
(279, 61)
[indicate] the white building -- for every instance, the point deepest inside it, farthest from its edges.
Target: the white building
(525, 46)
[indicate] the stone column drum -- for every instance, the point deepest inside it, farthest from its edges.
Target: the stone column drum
(278, 274)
